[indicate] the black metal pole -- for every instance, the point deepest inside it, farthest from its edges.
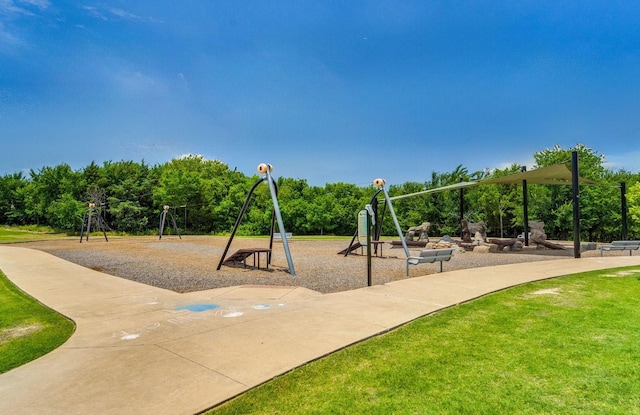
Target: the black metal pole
(376, 233)
(525, 205)
(238, 220)
(368, 249)
(348, 250)
(576, 204)
(84, 218)
(175, 226)
(623, 195)
(373, 202)
(103, 226)
(461, 207)
(163, 216)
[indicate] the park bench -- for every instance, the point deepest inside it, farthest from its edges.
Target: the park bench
(430, 256)
(620, 246)
(287, 235)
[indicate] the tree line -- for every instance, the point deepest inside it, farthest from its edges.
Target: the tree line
(205, 197)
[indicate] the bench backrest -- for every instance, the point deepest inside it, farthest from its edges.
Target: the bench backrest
(631, 244)
(440, 254)
(278, 235)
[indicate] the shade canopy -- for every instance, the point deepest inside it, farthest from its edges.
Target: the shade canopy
(439, 189)
(556, 174)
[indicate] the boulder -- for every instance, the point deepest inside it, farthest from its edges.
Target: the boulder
(421, 231)
(483, 249)
(511, 244)
(473, 228)
(539, 238)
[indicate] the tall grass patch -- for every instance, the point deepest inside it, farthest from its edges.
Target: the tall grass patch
(568, 345)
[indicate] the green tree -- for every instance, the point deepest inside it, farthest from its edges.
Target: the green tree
(345, 201)
(66, 213)
(633, 204)
(210, 196)
(293, 196)
(199, 184)
(12, 199)
(554, 204)
(128, 194)
(499, 205)
(444, 206)
(48, 185)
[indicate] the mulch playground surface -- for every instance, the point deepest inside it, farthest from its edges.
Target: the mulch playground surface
(190, 263)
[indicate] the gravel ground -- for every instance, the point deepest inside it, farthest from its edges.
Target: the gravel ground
(189, 264)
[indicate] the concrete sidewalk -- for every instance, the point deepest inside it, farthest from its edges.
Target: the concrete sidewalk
(140, 349)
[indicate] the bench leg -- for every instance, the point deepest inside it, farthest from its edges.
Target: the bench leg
(440, 266)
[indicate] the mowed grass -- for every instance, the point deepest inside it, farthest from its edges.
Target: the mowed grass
(15, 234)
(28, 329)
(569, 345)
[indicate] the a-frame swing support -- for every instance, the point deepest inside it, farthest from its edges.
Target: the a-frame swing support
(380, 183)
(86, 222)
(377, 228)
(265, 169)
(163, 218)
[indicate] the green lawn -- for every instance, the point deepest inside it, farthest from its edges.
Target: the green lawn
(28, 329)
(15, 234)
(569, 345)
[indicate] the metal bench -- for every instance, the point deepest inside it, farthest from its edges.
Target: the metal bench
(287, 235)
(430, 256)
(620, 246)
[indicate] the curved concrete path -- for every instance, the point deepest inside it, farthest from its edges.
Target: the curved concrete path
(140, 349)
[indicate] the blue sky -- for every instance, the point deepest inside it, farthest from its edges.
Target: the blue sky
(328, 91)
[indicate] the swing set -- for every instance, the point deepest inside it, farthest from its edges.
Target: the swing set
(241, 256)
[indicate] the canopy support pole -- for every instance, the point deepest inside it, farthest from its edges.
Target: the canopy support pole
(623, 196)
(576, 204)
